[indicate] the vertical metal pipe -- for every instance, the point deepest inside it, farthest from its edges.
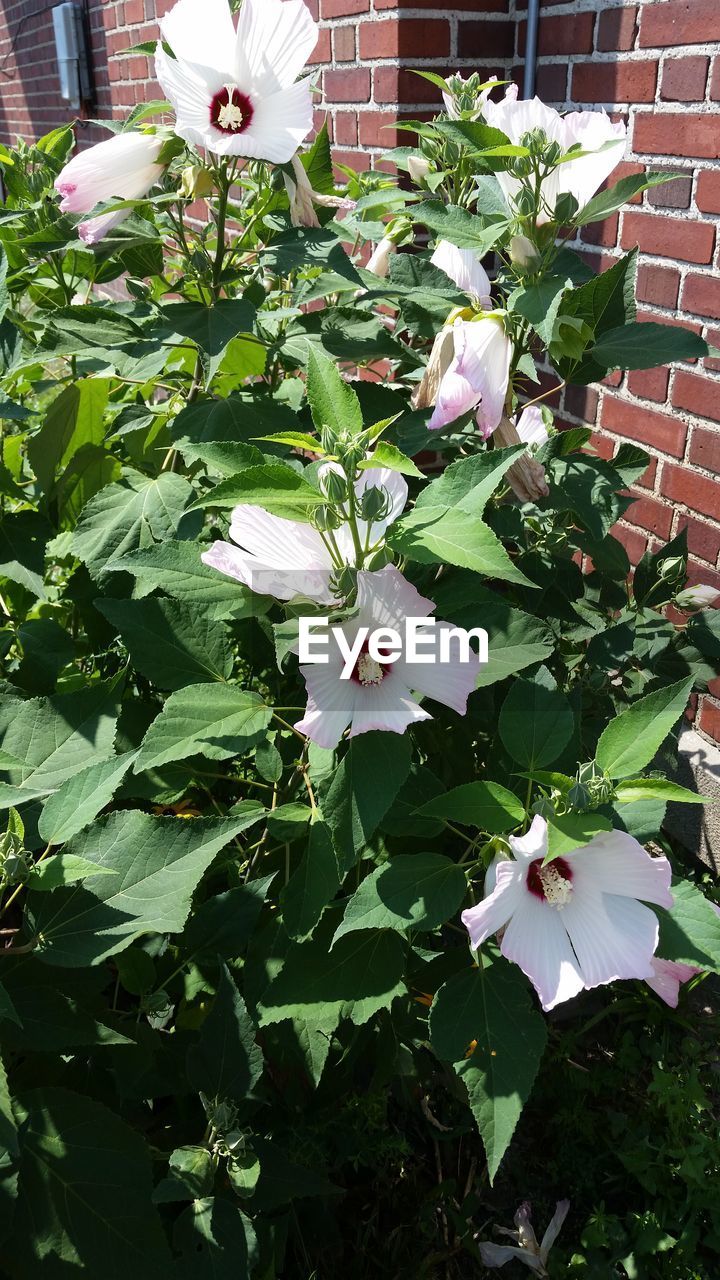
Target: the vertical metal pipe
(531, 49)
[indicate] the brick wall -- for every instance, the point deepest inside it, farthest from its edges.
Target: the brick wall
(656, 63)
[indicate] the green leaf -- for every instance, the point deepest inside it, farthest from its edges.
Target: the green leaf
(449, 222)
(630, 741)
(134, 514)
(176, 567)
(81, 797)
(171, 643)
(296, 440)
(223, 924)
(57, 737)
(455, 538)
(86, 1191)
(690, 930)
(191, 1175)
(226, 1063)
(362, 790)
(312, 885)
(274, 487)
(23, 536)
(646, 345)
(606, 202)
(656, 789)
(360, 976)
(388, 455)
(535, 724)
(62, 869)
(492, 1007)
(8, 1012)
(333, 402)
(603, 303)
(214, 720)
(212, 1235)
(158, 861)
(485, 805)
(74, 419)
(573, 831)
(539, 303)
(412, 891)
(212, 328)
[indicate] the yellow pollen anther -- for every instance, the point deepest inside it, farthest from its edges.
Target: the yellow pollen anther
(557, 890)
(369, 671)
(230, 116)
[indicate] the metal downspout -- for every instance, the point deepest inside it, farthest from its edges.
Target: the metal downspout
(531, 49)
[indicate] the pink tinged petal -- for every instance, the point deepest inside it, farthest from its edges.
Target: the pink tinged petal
(534, 844)
(536, 940)
(456, 396)
(92, 230)
(612, 937)
(450, 683)
(493, 913)
(614, 862)
(201, 31)
(464, 269)
(531, 427)
(274, 41)
(486, 363)
(554, 1228)
(385, 598)
(123, 166)
(666, 979)
(226, 558)
(387, 707)
(496, 1255)
(285, 544)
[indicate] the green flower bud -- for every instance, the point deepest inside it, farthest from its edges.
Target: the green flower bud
(326, 518)
(374, 504)
(379, 559)
(334, 485)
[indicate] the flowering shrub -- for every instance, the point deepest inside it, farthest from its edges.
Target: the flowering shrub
(273, 928)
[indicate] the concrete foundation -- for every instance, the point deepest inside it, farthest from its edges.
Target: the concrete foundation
(694, 826)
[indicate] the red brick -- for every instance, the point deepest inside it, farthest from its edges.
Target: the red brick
(649, 475)
(634, 543)
(616, 29)
(677, 22)
(563, 34)
(357, 160)
(701, 295)
(376, 129)
(668, 237)
(581, 402)
(635, 422)
(715, 81)
(351, 85)
(707, 195)
(321, 52)
(408, 38)
(603, 233)
(683, 133)
(486, 39)
(699, 395)
(344, 43)
(693, 490)
(602, 446)
(649, 384)
(705, 449)
(134, 12)
(651, 515)
(346, 128)
(341, 8)
(672, 195)
(684, 79)
(658, 285)
(458, 6)
(551, 81)
(712, 337)
(614, 82)
(703, 539)
(709, 720)
(401, 85)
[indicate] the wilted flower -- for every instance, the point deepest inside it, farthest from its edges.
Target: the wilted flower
(285, 558)
(527, 1249)
(465, 270)
(526, 477)
(699, 597)
(379, 696)
(478, 375)
(591, 130)
(235, 92)
(123, 167)
(579, 922)
(441, 357)
(303, 199)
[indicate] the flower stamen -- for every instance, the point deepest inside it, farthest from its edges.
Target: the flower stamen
(552, 883)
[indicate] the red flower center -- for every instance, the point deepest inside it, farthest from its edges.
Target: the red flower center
(231, 111)
(367, 671)
(553, 883)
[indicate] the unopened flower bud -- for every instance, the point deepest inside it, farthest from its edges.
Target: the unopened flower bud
(326, 518)
(196, 182)
(700, 597)
(333, 483)
(672, 568)
(523, 252)
(373, 504)
(379, 559)
(418, 168)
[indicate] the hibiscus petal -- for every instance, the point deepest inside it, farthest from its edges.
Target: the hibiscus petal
(493, 912)
(666, 979)
(274, 41)
(450, 683)
(287, 544)
(201, 31)
(190, 89)
(464, 269)
(536, 941)
(615, 863)
(612, 937)
(330, 704)
(534, 844)
(385, 599)
(280, 123)
(387, 707)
